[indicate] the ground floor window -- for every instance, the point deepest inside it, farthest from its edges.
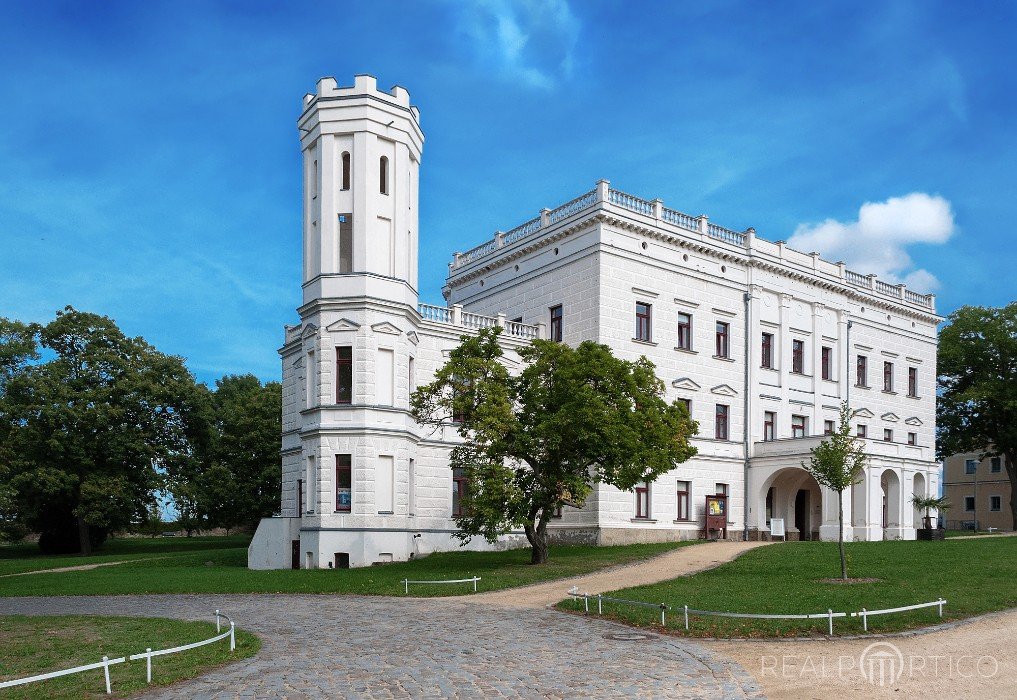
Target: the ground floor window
(458, 490)
(343, 483)
(995, 502)
(684, 493)
(643, 500)
(969, 503)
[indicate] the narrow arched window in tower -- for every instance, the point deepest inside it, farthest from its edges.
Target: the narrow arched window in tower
(383, 170)
(346, 170)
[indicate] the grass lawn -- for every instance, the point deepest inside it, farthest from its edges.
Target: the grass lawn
(224, 570)
(27, 557)
(974, 576)
(34, 645)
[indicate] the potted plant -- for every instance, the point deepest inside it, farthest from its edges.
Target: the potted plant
(927, 503)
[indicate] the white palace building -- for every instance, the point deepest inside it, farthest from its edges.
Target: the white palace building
(763, 342)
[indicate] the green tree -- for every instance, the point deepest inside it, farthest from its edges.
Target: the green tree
(977, 404)
(540, 440)
(928, 504)
(838, 463)
(17, 349)
(84, 425)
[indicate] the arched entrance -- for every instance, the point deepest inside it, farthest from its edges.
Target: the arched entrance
(793, 495)
(890, 483)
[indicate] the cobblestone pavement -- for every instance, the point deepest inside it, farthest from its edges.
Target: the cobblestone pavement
(365, 647)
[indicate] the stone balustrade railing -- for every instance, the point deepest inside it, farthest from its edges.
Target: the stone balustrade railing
(604, 196)
(455, 316)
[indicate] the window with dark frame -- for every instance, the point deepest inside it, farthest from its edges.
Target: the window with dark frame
(723, 339)
(912, 381)
(798, 356)
(970, 466)
(828, 427)
(969, 503)
(887, 435)
(458, 490)
(643, 500)
(383, 175)
(861, 371)
(556, 323)
(799, 426)
(688, 405)
(888, 376)
(995, 503)
(826, 362)
(912, 438)
(644, 321)
(769, 421)
(684, 496)
(684, 337)
(344, 374)
(346, 171)
(862, 431)
(996, 465)
(766, 351)
(720, 422)
(343, 483)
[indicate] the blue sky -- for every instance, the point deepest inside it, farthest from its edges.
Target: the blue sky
(149, 162)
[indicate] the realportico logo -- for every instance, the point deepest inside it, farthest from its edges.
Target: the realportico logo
(881, 664)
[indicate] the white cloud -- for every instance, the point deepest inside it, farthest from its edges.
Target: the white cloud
(876, 242)
(530, 41)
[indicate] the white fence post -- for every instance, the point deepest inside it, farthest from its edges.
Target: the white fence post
(148, 664)
(600, 603)
(686, 618)
(941, 601)
(865, 621)
(662, 609)
(829, 611)
(586, 602)
(105, 672)
(475, 584)
(217, 630)
(233, 637)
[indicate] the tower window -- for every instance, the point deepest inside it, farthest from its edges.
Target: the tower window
(344, 374)
(346, 171)
(556, 323)
(343, 483)
(383, 174)
(345, 243)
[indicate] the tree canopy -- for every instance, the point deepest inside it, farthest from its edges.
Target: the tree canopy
(977, 403)
(86, 413)
(541, 440)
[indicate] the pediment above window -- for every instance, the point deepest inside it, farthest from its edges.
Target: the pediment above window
(864, 413)
(914, 420)
(386, 327)
(724, 390)
(310, 330)
(343, 324)
(412, 335)
(891, 417)
(685, 383)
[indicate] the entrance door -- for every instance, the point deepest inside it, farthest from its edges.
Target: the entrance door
(295, 555)
(802, 515)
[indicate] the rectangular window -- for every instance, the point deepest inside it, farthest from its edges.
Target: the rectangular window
(344, 374)
(345, 243)
(688, 405)
(798, 356)
(799, 426)
(458, 490)
(970, 466)
(766, 351)
(828, 427)
(310, 380)
(996, 465)
(384, 378)
(887, 376)
(411, 487)
(684, 494)
(384, 485)
(887, 435)
(912, 381)
(912, 438)
(969, 503)
(411, 376)
(346, 171)
(827, 363)
(556, 321)
(684, 341)
(769, 420)
(343, 483)
(644, 321)
(723, 339)
(720, 489)
(643, 500)
(721, 422)
(995, 502)
(861, 371)
(863, 431)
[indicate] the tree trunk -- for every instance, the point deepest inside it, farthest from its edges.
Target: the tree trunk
(840, 534)
(84, 537)
(1011, 472)
(537, 537)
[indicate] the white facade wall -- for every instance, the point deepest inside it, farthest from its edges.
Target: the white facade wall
(596, 256)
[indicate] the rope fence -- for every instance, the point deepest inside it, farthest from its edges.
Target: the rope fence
(147, 655)
(829, 615)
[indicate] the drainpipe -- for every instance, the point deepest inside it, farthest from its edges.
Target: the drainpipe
(847, 364)
(746, 418)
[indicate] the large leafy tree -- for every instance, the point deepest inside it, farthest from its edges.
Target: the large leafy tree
(532, 443)
(230, 473)
(86, 413)
(977, 406)
(838, 463)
